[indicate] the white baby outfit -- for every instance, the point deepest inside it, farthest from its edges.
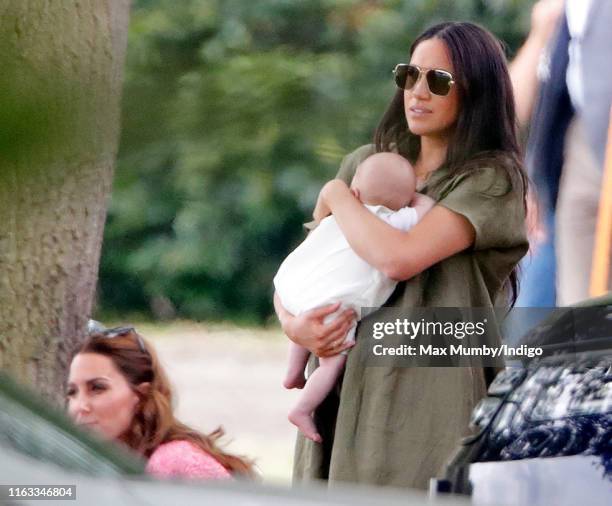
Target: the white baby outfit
(324, 269)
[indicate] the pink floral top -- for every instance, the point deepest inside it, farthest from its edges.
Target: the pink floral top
(182, 459)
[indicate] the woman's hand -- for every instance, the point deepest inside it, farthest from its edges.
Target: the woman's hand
(309, 330)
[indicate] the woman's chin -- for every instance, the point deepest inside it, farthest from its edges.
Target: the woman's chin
(419, 124)
(417, 130)
(427, 131)
(421, 130)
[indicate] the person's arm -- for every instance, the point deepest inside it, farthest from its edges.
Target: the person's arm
(309, 331)
(524, 68)
(321, 210)
(399, 255)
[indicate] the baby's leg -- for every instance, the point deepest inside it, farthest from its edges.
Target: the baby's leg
(319, 384)
(298, 357)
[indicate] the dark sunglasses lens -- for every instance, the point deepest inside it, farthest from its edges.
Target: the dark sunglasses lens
(438, 82)
(406, 76)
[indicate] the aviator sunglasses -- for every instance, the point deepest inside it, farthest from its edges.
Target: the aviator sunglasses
(407, 75)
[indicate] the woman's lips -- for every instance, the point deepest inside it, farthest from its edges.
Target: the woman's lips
(419, 111)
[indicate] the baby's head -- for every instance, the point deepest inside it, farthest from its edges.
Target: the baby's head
(385, 179)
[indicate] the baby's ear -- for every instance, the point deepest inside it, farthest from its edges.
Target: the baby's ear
(355, 193)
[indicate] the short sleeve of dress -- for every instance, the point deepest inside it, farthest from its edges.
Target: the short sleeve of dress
(494, 208)
(352, 160)
(348, 166)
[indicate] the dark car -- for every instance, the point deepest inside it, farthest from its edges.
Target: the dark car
(544, 433)
(39, 447)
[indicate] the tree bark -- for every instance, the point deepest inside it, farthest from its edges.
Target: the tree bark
(65, 64)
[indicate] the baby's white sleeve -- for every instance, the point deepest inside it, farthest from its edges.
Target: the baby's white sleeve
(404, 219)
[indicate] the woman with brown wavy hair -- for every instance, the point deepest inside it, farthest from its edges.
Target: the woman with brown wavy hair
(117, 388)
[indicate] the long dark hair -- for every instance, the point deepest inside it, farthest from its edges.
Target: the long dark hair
(486, 132)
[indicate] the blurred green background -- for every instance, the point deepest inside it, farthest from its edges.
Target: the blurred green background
(234, 114)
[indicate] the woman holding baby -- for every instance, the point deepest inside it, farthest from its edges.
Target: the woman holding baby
(453, 118)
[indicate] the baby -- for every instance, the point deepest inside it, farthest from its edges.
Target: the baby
(324, 269)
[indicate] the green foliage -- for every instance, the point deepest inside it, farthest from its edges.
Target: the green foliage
(234, 114)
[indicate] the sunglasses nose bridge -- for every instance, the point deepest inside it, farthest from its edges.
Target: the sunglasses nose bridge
(421, 86)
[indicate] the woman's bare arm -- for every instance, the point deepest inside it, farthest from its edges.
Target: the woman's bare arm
(400, 255)
(321, 210)
(523, 69)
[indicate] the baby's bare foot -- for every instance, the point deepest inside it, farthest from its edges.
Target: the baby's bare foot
(305, 423)
(294, 379)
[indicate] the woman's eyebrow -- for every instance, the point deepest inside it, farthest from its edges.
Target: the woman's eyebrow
(98, 378)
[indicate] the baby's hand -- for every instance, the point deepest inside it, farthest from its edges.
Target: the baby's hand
(422, 204)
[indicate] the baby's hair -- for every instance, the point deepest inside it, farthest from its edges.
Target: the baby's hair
(386, 179)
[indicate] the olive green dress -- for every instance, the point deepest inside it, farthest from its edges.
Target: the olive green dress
(398, 426)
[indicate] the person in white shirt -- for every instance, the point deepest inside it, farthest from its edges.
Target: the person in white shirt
(324, 269)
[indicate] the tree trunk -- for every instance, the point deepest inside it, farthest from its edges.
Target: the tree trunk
(62, 63)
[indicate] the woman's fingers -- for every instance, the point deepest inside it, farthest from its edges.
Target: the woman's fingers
(337, 349)
(323, 311)
(334, 342)
(346, 316)
(326, 339)
(337, 337)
